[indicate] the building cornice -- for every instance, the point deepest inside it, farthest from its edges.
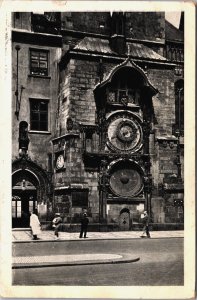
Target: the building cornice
(36, 38)
(96, 56)
(65, 136)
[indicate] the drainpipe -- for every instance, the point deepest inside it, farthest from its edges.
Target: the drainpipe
(16, 92)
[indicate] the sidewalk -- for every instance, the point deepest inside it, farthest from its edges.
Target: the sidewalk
(21, 262)
(48, 235)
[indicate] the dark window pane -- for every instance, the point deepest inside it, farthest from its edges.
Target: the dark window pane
(39, 115)
(34, 106)
(43, 117)
(34, 125)
(35, 116)
(34, 63)
(43, 126)
(43, 64)
(17, 15)
(43, 106)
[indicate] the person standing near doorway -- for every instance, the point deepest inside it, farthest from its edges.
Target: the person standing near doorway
(84, 226)
(35, 224)
(145, 221)
(57, 224)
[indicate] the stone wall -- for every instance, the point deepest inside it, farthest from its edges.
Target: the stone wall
(83, 78)
(138, 25)
(39, 88)
(145, 25)
(94, 22)
(64, 101)
(164, 102)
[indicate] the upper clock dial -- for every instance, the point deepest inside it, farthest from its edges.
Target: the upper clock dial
(124, 134)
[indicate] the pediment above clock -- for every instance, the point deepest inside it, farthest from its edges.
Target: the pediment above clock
(128, 63)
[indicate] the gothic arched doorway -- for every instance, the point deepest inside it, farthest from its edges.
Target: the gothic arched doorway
(24, 197)
(31, 188)
(124, 219)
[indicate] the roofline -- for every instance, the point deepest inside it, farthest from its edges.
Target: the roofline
(107, 36)
(145, 41)
(174, 41)
(177, 29)
(84, 33)
(97, 55)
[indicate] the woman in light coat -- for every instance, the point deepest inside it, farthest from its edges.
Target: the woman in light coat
(35, 225)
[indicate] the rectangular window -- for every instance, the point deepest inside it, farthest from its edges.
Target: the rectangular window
(38, 115)
(39, 62)
(80, 198)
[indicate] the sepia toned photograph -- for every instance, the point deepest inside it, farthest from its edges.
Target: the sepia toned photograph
(97, 111)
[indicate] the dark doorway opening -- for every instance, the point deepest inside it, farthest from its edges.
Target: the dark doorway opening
(22, 203)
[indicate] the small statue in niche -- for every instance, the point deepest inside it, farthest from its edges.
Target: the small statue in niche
(69, 124)
(123, 98)
(23, 136)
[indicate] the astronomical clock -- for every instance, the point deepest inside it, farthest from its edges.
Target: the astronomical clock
(125, 178)
(124, 139)
(124, 133)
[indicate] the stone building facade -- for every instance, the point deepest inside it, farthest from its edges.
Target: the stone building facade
(98, 118)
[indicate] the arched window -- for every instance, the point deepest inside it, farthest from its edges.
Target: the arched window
(125, 86)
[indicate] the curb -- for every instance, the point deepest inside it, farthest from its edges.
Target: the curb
(128, 259)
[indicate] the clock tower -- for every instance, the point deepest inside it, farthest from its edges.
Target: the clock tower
(124, 120)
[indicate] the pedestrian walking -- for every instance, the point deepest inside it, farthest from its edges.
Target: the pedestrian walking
(84, 226)
(35, 225)
(56, 224)
(145, 221)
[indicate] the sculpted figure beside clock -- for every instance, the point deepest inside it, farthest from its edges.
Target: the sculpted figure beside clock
(60, 162)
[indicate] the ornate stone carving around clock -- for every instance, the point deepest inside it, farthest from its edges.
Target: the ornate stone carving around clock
(124, 133)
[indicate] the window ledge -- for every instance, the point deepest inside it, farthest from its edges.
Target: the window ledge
(39, 76)
(39, 132)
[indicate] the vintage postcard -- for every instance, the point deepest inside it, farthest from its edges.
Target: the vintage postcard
(98, 149)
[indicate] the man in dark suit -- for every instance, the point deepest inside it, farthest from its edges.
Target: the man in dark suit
(84, 225)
